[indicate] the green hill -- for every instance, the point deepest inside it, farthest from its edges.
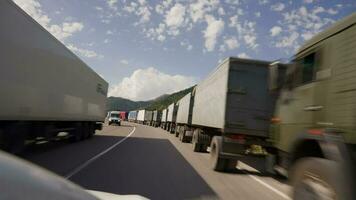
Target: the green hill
(163, 102)
(160, 103)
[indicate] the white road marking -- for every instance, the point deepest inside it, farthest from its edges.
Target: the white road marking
(86, 163)
(267, 185)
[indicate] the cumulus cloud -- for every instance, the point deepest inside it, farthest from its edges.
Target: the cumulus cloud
(125, 62)
(275, 30)
(175, 17)
(112, 4)
(243, 55)
(301, 24)
(200, 8)
(60, 31)
(83, 52)
(212, 32)
(145, 84)
(231, 43)
(278, 7)
(308, 1)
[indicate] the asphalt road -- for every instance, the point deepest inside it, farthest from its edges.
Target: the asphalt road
(138, 159)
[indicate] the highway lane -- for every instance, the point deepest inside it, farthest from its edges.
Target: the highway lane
(151, 163)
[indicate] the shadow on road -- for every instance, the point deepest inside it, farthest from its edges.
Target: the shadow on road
(259, 165)
(149, 167)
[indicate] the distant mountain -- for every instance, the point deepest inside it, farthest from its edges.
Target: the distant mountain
(118, 103)
(159, 103)
(164, 101)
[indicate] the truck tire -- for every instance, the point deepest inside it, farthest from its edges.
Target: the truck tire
(318, 178)
(77, 133)
(177, 131)
(199, 141)
(91, 130)
(186, 138)
(218, 163)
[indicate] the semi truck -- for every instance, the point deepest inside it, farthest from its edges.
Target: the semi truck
(123, 115)
(132, 116)
(140, 116)
(184, 117)
(164, 119)
(171, 117)
(313, 129)
(229, 111)
(45, 88)
(156, 120)
(114, 118)
(148, 117)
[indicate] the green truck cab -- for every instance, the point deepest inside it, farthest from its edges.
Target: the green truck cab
(314, 126)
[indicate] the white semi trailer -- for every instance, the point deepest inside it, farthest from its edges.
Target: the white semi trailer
(171, 117)
(45, 89)
(164, 119)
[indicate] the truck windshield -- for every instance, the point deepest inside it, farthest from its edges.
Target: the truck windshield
(114, 115)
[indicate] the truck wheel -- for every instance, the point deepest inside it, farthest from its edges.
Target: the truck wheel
(77, 133)
(199, 141)
(218, 163)
(318, 178)
(197, 147)
(177, 131)
(91, 130)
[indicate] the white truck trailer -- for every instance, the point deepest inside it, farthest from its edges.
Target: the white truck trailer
(140, 116)
(156, 118)
(45, 89)
(164, 119)
(184, 117)
(148, 117)
(171, 117)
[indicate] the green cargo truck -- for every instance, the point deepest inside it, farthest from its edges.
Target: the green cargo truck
(314, 126)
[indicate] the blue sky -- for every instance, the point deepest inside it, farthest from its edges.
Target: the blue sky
(147, 48)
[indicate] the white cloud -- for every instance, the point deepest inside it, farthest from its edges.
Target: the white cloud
(112, 4)
(141, 9)
(150, 83)
(288, 41)
(231, 43)
(308, 1)
(175, 17)
(221, 11)
(200, 8)
(60, 31)
(262, 2)
(275, 30)
(243, 55)
(278, 7)
(212, 32)
(106, 41)
(83, 52)
(125, 62)
(161, 38)
(301, 24)
(332, 11)
(159, 9)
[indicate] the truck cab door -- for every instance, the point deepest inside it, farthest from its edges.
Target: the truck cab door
(296, 106)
